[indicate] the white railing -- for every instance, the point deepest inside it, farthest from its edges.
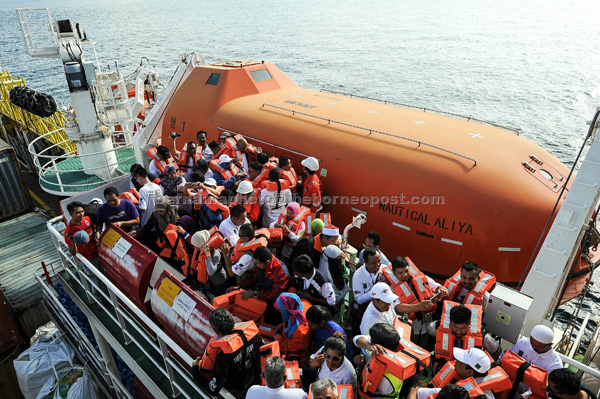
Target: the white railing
(63, 183)
(85, 347)
(128, 316)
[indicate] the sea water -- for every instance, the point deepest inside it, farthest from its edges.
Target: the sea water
(530, 65)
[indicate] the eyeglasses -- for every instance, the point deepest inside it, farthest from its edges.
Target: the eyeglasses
(334, 358)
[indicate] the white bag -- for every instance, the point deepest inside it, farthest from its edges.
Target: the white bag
(76, 383)
(84, 388)
(42, 361)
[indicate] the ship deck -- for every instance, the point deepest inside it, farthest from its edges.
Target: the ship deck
(71, 174)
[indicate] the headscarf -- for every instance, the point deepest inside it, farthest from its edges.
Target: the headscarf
(316, 226)
(168, 218)
(290, 306)
(294, 207)
(170, 185)
(188, 224)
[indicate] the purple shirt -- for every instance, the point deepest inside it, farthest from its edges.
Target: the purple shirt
(106, 214)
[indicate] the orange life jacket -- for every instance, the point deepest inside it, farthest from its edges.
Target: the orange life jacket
(325, 217)
(199, 197)
(160, 163)
(278, 187)
(249, 309)
(198, 261)
(131, 195)
(403, 329)
(403, 290)
(173, 247)
(445, 339)
(496, 379)
(241, 334)
(214, 205)
(261, 239)
(184, 158)
(263, 175)
(289, 175)
(230, 148)
(400, 364)
(267, 331)
(294, 224)
(475, 296)
(519, 370)
(471, 386)
(266, 351)
(253, 199)
(226, 174)
(344, 391)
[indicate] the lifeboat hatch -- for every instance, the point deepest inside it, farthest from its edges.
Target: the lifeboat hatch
(544, 172)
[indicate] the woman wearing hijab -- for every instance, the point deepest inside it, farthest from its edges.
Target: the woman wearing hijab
(332, 267)
(154, 228)
(171, 181)
(215, 267)
(296, 336)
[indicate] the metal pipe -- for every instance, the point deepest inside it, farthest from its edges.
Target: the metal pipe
(580, 366)
(579, 335)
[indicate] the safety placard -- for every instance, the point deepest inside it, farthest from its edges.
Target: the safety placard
(167, 291)
(121, 247)
(183, 305)
(110, 238)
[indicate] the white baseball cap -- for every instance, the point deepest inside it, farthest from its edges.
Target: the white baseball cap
(476, 358)
(210, 182)
(245, 187)
(225, 158)
(383, 292)
(311, 163)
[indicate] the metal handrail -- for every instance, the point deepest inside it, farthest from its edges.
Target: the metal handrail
(132, 313)
(468, 118)
(329, 121)
(265, 142)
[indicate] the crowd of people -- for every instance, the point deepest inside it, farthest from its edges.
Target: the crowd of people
(238, 222)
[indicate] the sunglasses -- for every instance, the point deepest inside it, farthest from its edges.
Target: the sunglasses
(334, 358)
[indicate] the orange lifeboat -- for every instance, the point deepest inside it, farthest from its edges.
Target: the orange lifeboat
(440, 189)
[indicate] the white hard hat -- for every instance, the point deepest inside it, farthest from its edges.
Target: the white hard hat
(245, 187)
(311, 163)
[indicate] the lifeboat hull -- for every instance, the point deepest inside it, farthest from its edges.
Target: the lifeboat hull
(439, 189)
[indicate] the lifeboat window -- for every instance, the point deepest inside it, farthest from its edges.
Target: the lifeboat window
(213, 79)
(546, 174)
(260, 75)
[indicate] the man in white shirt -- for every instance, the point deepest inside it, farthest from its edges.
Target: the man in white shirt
(275, 377)
(149, 193)
(333, 363)
(230, 227)
(373, 240)
(203, 148)
(381, 309)
(310, 283)
(362, 282)
(537, 350)
(245, 264)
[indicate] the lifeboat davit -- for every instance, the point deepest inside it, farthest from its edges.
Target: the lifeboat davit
(440, 189)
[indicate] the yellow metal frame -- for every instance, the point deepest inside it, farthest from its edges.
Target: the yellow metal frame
(33, 123)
